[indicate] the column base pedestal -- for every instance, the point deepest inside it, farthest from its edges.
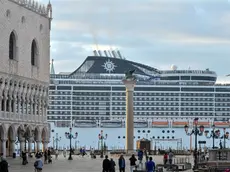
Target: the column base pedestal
(130, 152)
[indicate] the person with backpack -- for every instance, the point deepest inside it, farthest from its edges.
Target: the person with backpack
(38, 164)
(112, 165)
(150, 165)
(3, 164)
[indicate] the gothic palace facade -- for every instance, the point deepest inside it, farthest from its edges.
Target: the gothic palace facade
(24, 75)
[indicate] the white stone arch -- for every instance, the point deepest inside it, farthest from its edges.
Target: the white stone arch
(12, 132)
(19, 133)
(37, 134)
(11, 139)
(3, 132)
(45, 134)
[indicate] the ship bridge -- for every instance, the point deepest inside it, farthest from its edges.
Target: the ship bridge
(111, 65)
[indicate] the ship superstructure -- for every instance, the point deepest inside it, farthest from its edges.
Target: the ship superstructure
(94, 96)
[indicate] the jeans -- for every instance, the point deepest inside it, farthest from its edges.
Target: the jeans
(132, 168)
(122, 169)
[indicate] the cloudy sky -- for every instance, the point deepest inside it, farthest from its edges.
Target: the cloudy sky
(159, 33)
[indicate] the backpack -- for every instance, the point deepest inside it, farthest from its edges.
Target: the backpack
(3, 165)
(35, 164)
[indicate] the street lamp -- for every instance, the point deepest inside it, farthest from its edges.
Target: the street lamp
(196, 131)
(70, 136)
(101, 137)
(214, 135)
(56, 140)
(225, 136)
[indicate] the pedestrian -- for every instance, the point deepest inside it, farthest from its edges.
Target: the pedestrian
(3, 164)
(132, 162)
(165, 158)
(112, 165)
(38, 164)
(146, 154)
(45, 157)
(140, 156)
(64, 152)
(150, 166)
(170, 157)
(56, 154)
(121, 163)
(24, 158)
(106, 164)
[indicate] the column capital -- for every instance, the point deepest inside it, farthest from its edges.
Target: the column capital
(129, 84)
(3, 139)
(22, 139)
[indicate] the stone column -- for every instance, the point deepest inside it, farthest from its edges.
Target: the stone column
(38, 143)
(129, 84)
(30, 145)
(3, 147)
(45, 145)
(22, 145)
(11, 147)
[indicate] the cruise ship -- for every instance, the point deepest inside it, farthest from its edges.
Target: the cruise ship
(93, 97)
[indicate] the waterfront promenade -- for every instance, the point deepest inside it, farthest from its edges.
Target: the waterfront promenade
(79, 164)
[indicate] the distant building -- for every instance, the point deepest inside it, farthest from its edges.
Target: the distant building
(24, 74)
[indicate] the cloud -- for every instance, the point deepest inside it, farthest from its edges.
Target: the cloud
(154, 32)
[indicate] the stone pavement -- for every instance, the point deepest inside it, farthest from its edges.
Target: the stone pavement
(78, 164)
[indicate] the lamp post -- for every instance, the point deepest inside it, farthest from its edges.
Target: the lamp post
(56, 140)
(101, 137)
(214, 135)
(70, 136)
(196, 131)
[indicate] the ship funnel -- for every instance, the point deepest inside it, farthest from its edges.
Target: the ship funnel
(114, 54)
(110, 55)
(99, 52)
(119, 54)
(105, 52)
(95, 53)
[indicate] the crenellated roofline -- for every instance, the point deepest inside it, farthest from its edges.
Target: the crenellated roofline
(41, 9)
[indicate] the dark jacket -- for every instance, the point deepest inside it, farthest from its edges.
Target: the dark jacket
(132, 161)
(120, 163)
(4, 166)
(106, 165)
(112, 165)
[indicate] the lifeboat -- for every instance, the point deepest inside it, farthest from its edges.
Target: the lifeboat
(140, 124)
(179, 124)
(221, 124)
(204, 123)
(160, 124)
(111, 124)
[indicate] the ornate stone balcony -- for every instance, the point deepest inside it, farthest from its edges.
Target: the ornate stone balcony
(24, 118)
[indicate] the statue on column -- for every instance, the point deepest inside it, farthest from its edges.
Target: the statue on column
(129, 75)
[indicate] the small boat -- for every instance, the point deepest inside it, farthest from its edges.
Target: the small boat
(204, 123)
(140, 124)
(85, 124)
(159, 124)
(111, 124)
(179, 124)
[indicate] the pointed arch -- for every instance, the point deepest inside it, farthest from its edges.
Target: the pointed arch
(2, 131)
(12, 132)
(34, 53)
(13, 46)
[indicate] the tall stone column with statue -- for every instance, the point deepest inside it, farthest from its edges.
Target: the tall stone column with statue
(130, 82)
